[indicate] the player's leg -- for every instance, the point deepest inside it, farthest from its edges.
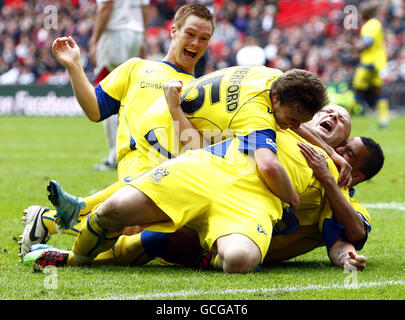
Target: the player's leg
(102, 228)
(127, 251)
(105, 56)
(99, 234)
(127, 206)
(237, 253)
(383, 111)
(361, 83)
(71, 215)
(180, 247)
(238, 231)
(382, 103)
(172, 186)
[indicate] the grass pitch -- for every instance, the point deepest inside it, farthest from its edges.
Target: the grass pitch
(35, 150)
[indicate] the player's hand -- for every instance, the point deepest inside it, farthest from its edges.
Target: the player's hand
(345, 170)
(316, 162)
(172, 91)
(357, 261)
(66, 51)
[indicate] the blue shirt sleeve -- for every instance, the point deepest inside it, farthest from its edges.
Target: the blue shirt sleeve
(107, 104)
(331, 231)
(367, 41)
(258, 139)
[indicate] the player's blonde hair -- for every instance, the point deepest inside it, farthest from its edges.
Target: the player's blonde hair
(193, 9)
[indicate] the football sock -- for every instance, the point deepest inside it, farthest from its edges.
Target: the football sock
(48, 220)
(214, 261)
(383, 113)
(128, 251)
(91, 241)
(154, 243)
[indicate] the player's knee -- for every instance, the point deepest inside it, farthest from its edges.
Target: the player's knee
(108, 215)
(240, 259)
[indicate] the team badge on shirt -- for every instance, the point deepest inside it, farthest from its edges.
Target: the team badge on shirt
(261, 230)
(157, 175)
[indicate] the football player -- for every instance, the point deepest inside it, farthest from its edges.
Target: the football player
(367, 81)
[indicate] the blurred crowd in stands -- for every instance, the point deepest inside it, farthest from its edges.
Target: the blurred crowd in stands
(310, 35)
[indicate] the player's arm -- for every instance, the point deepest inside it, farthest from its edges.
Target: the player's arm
(67, 52)
(342, 210)
(343, 254)
(103, 15)
(275, 176)
(185, 130)
(365, 42)
(344, 167)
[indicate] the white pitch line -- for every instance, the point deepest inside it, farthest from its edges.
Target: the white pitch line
(190, 293)
(388, 205)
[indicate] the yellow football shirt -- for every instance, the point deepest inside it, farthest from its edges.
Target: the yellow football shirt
(225, 103)
(129, 90)
(375, 55)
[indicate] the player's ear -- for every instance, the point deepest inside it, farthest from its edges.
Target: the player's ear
(275, 97)
(173, 30)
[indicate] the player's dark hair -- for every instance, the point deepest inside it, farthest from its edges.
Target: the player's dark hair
(368, 9)
(301, 86)
(375, 160)
(193, 9)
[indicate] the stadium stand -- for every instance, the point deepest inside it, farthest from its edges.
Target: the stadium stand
(306, 34)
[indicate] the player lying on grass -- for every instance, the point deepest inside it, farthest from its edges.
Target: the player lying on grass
(356, 235)
(199, 187)
(242, 99)
(335, 226)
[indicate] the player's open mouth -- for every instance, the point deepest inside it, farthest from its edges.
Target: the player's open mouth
(190, 53)
(327, 125)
